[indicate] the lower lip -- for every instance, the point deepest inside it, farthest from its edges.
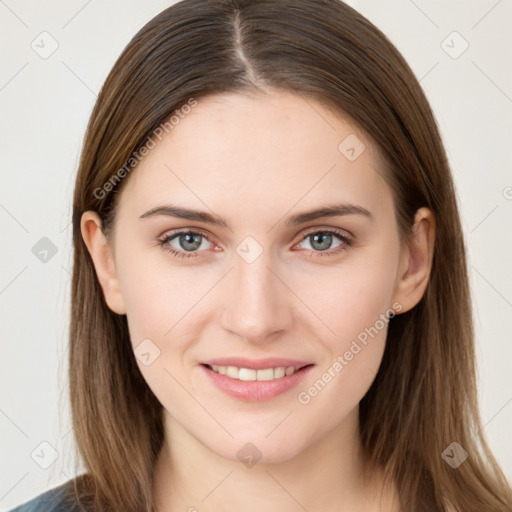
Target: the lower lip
(255, 390)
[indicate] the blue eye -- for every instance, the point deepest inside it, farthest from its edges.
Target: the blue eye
(321, 242)
(188, 243)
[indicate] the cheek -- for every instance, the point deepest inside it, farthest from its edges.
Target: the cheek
(354, 302)
(163, 309)
(360, 317)
(159, 298)
(160, 304)
(353, 295)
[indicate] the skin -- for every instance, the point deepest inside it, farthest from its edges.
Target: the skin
(255, 160)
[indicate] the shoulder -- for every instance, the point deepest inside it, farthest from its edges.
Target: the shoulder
(58, 499)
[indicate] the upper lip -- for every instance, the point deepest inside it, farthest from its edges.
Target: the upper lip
(256, 364)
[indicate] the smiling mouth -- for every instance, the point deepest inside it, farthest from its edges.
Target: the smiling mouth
(250, 374)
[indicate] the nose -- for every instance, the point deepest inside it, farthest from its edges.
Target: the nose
(258, 303)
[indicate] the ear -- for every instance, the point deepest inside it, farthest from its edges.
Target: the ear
(415, 261)
(102, 255)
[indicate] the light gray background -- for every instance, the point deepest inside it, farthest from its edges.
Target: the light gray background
(45, 106)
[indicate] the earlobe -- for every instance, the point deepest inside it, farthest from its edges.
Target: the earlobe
(101, 254)
(416, 261)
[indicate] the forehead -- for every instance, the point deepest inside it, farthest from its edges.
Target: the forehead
(241, 154)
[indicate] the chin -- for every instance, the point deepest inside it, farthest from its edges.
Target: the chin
(258, 449)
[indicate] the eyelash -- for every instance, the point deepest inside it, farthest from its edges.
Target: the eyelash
(344, 246)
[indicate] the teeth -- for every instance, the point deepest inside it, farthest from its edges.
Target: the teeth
(232, 371)
(248, 374)
(279, 372)
(267, 374)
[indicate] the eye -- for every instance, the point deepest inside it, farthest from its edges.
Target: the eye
(187, 243)
(321, 242)
(184, 244)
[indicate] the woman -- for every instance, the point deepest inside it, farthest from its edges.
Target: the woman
(270, 299)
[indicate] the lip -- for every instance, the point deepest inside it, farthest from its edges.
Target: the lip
(256, 391)
(256, 364)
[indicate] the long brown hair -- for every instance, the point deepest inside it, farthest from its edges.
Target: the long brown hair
(423, 397)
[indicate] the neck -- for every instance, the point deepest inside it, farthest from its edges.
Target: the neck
(327, 476)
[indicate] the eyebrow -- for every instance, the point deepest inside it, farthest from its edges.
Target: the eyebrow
(335, 210)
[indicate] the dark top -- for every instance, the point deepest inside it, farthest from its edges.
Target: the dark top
(50, 501)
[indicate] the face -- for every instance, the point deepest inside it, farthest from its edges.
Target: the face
(264, 288)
